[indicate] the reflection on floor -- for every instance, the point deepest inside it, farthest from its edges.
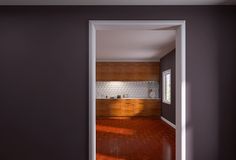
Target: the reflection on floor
(134, 139)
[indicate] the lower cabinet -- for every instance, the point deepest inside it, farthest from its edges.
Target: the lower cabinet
(127, 107)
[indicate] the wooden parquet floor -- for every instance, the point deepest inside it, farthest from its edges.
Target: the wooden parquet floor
(134, 139)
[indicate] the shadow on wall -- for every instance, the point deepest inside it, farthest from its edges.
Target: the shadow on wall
(227, 85)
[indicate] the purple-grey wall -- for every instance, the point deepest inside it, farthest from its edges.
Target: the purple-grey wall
(44, 78)
(168, 62)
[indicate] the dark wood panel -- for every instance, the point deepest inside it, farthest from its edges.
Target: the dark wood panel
(127, 71)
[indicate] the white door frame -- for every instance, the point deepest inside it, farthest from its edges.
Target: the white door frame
(179, 26)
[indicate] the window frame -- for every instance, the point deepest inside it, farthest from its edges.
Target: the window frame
(164, 98)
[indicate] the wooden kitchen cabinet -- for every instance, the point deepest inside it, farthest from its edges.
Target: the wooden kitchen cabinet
(127, 71)
(127, 107)
(150, 108)
(114, 107)
(102, 108)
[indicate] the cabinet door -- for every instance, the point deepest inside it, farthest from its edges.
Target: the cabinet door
(138, 107)
(123, 107)
(98, 71)
(152, 107)
(128, 71)
(101, 108)
(129, 108)
(106, 72)
(115, 108)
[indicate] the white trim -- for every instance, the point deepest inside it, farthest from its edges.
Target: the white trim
(92, 91)
(136, 24)
(181, 93)
(179, 26)
(168, 122)
(123, 60)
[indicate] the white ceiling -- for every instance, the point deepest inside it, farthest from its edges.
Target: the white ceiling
(116, 2)
(133, 45)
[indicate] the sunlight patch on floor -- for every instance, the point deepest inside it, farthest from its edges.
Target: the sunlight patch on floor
(105, 157)
(123, 131)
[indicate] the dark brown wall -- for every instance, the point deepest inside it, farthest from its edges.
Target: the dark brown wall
(168, 110)
(227, 86)
(44, 79)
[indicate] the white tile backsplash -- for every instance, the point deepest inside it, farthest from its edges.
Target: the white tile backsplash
(134, 89)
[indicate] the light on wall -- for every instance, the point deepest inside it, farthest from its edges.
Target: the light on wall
(126, 89)
(116, 83)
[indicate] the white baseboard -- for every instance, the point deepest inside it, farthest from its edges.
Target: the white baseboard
(168, 122)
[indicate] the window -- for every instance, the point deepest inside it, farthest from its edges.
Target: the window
(166, 86)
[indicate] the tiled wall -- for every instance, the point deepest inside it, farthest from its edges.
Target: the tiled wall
(134, 89)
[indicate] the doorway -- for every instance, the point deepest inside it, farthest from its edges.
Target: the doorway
(180, 80)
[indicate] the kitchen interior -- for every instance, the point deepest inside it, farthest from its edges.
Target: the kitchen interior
(127, 89)
(129, 94)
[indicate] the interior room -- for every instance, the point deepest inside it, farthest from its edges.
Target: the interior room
(135, 94)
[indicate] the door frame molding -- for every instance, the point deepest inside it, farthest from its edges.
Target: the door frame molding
(179, 26)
